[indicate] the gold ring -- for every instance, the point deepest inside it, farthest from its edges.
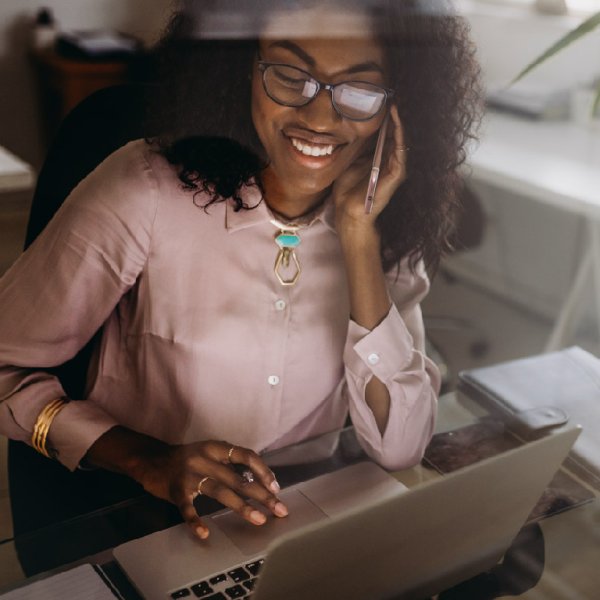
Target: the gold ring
(230, 453)
(199, 487)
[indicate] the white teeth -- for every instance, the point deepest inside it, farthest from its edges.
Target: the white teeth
(309, 150)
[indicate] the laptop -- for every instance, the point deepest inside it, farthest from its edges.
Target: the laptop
(355, 533)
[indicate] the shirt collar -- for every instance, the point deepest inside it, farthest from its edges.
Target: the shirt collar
(242, 219)
(252, 197)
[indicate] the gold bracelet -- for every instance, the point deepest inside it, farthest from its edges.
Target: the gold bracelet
(42, 425)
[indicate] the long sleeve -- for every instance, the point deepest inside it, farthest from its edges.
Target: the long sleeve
(61, 291)
(394, 353)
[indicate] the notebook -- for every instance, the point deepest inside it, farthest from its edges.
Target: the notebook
(355, 534)
(83, 582)
(536, 392)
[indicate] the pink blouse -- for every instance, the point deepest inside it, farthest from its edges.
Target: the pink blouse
(199, 339)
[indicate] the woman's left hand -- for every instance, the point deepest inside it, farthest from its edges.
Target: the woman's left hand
(350, 189)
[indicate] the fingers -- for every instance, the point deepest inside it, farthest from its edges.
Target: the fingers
(397, 161)
(208, 472)
(234, 496)
(190, 516)
(244, 456)
(264, 486)
(393, 171)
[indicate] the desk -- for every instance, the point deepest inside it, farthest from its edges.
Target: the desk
(15, 174)
(556, 164)
(571, 539)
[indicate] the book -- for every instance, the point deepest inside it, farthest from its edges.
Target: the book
(83, 583)
(536, 393)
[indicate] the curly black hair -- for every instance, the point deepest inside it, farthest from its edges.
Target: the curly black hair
(202, 110)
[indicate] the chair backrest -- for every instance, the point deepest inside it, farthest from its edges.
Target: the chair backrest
(99, 125)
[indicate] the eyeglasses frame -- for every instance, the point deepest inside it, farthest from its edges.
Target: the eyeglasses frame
(263, 65)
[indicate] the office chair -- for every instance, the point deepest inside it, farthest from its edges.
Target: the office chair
(42, 491)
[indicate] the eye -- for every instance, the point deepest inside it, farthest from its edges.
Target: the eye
(289, 76)
(358, 99)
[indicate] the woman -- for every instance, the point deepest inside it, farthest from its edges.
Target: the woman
(243, 292)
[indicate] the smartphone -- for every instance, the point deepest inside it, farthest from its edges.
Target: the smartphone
(376, 165)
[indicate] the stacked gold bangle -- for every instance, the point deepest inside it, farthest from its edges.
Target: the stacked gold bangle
(42, 426)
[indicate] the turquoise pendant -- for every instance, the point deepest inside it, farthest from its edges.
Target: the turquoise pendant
(288, 239)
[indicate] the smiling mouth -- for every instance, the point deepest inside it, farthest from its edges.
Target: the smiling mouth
(312, 149)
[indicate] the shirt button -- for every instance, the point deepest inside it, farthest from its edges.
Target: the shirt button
(273, 380)
(279, 304)
(373, 358)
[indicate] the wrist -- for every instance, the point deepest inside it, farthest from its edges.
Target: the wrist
(360, 250)
(359, 236)
(127, 452)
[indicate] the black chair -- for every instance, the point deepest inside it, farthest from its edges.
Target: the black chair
(42, 491)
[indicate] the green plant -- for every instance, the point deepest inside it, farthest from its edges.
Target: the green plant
(586, 27)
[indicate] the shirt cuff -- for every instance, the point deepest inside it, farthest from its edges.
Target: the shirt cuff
(383, 351)
(75, 428)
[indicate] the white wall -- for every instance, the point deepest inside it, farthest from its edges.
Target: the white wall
(19, 115)
(509, 38)
(530, 251)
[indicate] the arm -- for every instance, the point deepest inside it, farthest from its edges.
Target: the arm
(60, 292)
(405, 390)
(411, 379)
(369, 305)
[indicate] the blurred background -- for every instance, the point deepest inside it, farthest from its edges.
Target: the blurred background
(525, 276)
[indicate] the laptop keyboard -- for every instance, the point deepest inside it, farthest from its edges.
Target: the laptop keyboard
(233, 583)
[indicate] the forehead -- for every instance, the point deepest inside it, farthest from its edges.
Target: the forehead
(318, 22)
(321, 35)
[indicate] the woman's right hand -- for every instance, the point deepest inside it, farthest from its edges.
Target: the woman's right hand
(179, 473)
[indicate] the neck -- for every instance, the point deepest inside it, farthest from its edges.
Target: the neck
(289, 204)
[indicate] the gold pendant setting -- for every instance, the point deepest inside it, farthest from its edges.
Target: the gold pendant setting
(287, 267)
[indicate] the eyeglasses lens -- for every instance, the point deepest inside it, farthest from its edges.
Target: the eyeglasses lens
(293, 87)
(358, 100)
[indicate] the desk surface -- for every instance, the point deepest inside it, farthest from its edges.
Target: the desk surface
(555, 162)
(15, 174)
(568, 543)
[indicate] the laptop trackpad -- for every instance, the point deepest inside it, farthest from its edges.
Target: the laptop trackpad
(252, 539)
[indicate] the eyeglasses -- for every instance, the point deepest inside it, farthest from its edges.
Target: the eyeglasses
(290, 86)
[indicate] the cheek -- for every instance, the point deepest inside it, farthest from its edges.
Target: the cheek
(264, 115)
(258, 115)
(365, 135)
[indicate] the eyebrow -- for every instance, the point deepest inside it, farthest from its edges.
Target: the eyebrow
(369, 65)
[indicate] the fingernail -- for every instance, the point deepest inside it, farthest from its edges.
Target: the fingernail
(280, 510)
(274, 487)
(257, 517)
(202, 532)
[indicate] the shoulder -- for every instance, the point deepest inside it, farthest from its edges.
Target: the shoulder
(123, 190)
(135, 163)
(129, 177)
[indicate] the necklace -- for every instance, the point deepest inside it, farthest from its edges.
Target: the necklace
(287, 239)
(287, 267)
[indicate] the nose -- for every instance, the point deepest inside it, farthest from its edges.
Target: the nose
(320, 114)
